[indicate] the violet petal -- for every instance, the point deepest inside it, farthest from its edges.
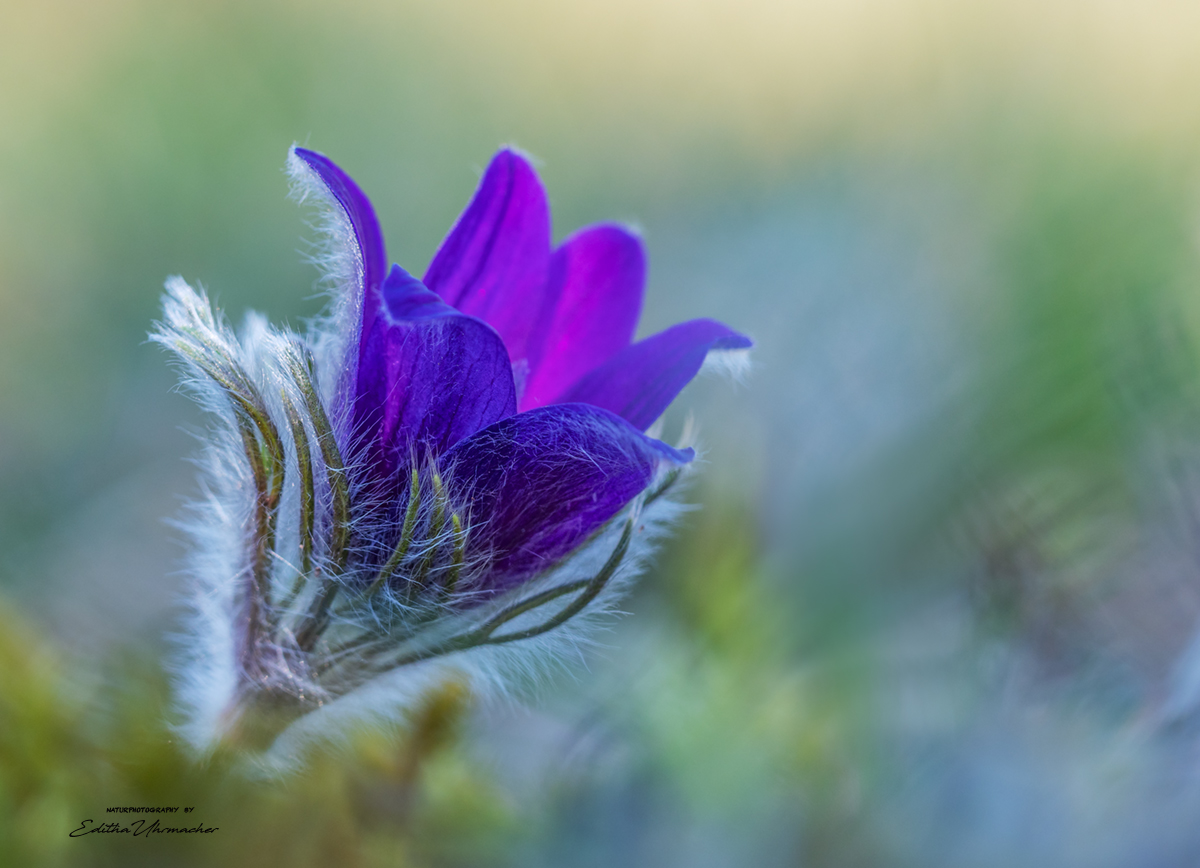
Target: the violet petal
(534, 486)
(640, 381)
(493, 264)
(593, 301)
(437, 376)
(372, 255)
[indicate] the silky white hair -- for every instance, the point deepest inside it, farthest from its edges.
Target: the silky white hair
(211, 670)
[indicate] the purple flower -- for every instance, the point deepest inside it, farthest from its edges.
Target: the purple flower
(463, 463)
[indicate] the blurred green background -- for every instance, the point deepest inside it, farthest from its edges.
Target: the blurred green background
(937, 606)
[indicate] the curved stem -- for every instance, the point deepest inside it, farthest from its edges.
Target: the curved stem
(317, 618)
(482, 635)
(406, 536)
(307, 500)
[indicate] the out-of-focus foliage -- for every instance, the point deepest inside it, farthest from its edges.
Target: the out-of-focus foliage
(938, 603)
(69, 752)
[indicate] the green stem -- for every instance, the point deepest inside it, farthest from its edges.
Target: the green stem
(307, 500)
(264, 452)
(406, 536)
(482, 635)
(315, 621)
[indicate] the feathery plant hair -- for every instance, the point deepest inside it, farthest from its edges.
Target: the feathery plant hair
(337, 575)
(314, 614)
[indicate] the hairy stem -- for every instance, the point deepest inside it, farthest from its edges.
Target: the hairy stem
(315, 621)
(416, 583)
(483, 635)
(264, 452)
(406, 536)
(307, 500)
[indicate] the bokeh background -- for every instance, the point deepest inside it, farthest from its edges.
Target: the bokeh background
(938, 604)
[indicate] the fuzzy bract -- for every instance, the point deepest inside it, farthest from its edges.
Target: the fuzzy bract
(443, 475)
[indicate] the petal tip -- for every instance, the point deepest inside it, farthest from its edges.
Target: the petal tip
(686, 455)
(311, 160)
(359, 237)
(736, 341)
(515, 165)
(406, 299)
(721, 336)
(511, 155)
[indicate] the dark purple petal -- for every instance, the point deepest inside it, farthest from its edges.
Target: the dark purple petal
(534, 486)
(435, 376)
(593, 300)
(372, 255)
(406, 299)
(640, 381)
(493, 263)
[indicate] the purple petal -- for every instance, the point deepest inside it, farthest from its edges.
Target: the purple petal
(493, 263)
(372, 255)
(534, 486)
(429, 376)
(594, 298)
(640, 381)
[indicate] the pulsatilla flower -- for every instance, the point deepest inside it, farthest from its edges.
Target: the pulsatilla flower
(447, 474)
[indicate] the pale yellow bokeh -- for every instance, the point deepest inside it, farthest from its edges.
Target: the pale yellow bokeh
(771, 72)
